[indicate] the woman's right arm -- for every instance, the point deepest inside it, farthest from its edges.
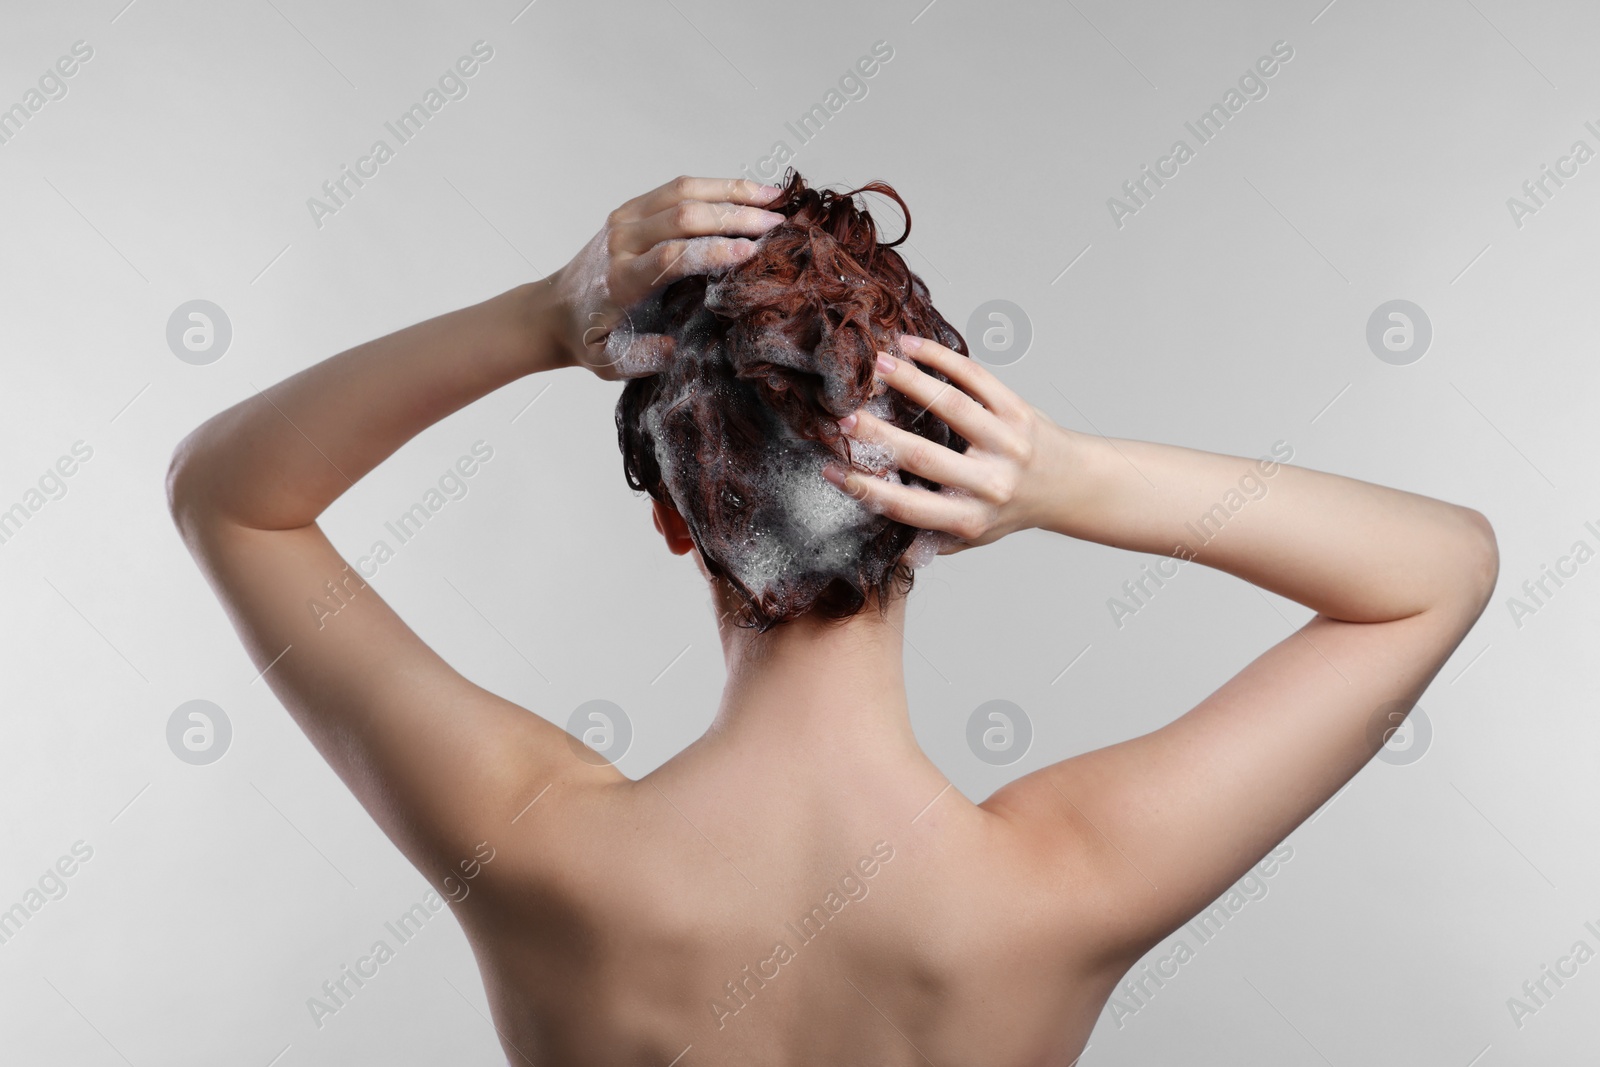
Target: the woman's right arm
(1167, 821)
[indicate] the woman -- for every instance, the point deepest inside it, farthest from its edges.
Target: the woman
(802, 885)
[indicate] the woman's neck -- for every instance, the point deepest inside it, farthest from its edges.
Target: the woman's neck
(834, 688)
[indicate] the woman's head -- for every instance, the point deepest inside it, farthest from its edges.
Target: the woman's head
(767, 357)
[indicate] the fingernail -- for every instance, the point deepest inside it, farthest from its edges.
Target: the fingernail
(886, 363)
(848, 423)
(833, 474)
(909, 343)
(771, 190)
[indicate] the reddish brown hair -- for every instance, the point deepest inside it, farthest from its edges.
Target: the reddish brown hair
(767, 357)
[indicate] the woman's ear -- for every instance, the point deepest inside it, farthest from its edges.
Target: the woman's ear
(670, 525)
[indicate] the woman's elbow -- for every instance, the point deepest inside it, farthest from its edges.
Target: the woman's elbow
(184, 475)
(1482, 569)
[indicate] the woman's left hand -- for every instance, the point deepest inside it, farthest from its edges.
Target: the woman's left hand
(1002, 482)
(687, 226)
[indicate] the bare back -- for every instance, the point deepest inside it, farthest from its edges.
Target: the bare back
(711, 913)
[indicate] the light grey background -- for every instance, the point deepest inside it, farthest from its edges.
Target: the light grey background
(1227, 314)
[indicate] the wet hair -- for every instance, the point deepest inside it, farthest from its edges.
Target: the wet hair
(767, 357)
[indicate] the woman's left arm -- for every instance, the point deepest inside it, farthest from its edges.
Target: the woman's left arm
(431, 756)
(276, 460)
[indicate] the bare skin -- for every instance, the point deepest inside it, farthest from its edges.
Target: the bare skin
(638, 921)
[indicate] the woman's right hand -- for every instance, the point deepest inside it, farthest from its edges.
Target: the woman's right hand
(996, 487)
(687, 226)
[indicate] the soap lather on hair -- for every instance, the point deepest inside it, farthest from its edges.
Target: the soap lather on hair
(767, 357)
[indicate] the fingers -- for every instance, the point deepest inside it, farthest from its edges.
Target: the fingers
(691, 218)
(628, 355)
(614, 349)
(916, 454)
(731, 190)
(671, 260)
(927, 544)
(947, 511)
(945, 400)
(973, 377)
